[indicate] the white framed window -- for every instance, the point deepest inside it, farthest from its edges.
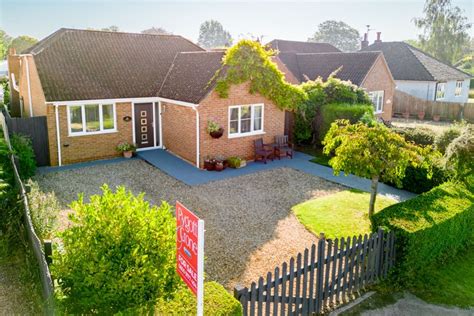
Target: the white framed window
(245, 120)
(440, 90)
(458, 90)
(89, 119)
(377, 98)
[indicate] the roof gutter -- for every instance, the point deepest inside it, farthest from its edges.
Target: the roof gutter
(135, 100)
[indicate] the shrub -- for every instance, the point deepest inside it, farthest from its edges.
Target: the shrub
(118, 254)
(334, 111)
(417, 179)
(430, 228)
(234, 162)
(418, 135)
(44, 208)
(217, 301)
(443, 140)
(26, 156)
(460, 156)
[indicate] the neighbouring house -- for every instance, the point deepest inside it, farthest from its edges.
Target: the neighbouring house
(421, 75)
(98, 89)
(368, 70)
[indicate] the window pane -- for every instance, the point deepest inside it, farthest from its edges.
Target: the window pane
(245, 112)
(257, 124)
(108, 116)
(257, 111)
(234, 114)
(92, 118)
(75, 114)
(234, 125)
(245, 126)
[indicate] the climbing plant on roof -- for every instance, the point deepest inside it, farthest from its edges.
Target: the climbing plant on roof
(250, 61)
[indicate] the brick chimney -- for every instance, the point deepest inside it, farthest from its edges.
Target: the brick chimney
(365, 42)
(378, 40)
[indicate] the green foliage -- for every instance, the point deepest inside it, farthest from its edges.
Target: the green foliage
(430, 228)
(248, 61)
(443, 140)
(217, 301)
(419, 135)
(213, 126)
(422, 179)
(22, 42)
(23, 149)
(122, 147)
(5, 41)
(338, 111)
(6, 92)
(445, 30)
(339, 34)
(308, 117)
(119, 253)
(212, 35)
(369, 151)
(44, 208)
(460, 156)
(234, 162)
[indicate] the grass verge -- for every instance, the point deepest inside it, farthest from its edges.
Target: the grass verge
(339, 215)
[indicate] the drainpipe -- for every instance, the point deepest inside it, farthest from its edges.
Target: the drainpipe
(58, 136)
(197, 135)
(28, 82)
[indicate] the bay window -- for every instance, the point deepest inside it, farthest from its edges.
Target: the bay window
(91, 119)
(245, 120)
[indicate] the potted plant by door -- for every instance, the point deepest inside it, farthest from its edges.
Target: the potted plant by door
(209, 163)
(126, 149)
(214, 129)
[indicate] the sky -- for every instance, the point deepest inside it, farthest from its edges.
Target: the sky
(295, 20)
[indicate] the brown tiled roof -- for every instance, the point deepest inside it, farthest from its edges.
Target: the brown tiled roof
(354, 66)
(284, 46)
(83, 65)
(189, 78)
(409, 63)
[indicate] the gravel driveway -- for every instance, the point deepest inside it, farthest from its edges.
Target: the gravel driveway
(249, 225)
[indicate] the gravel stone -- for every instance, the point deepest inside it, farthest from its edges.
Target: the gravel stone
(250, 228)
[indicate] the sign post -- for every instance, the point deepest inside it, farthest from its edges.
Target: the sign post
(190, 252)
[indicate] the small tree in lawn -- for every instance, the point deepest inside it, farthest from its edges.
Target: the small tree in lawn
(372, 152)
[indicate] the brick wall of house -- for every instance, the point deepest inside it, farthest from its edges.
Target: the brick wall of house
(179, 130)
(89, 147)
(379, 78)
(217, 109)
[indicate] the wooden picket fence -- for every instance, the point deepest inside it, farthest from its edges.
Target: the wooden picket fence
(331, 273)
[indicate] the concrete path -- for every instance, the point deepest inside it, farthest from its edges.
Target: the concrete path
(410, 305)
(190, 175)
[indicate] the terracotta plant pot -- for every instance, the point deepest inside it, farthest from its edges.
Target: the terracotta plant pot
(217, 134)
(421, 115)
(128, 154)
(209, 165)
(436, 117)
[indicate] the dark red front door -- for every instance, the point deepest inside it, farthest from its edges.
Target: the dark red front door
(144, 136)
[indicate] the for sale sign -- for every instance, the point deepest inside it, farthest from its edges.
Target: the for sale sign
(190, 250)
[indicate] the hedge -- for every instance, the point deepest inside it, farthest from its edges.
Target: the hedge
(418, 135)
(337, 111)
(217, 301)
(430, 228)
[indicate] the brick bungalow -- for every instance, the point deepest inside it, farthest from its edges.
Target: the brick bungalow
(368, 70)
(98, 89)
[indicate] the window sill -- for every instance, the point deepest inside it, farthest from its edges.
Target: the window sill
(230, 136)
(378, 112)
(92, 133)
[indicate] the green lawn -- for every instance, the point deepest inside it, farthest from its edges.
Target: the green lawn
(339, 215)
(451, 283)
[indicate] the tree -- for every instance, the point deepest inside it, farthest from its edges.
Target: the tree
(22, 42)
(156, 31)
(339, 34)
(373, 152)
(5, 41)
(212, 34)
(445, 30)
(112, 28)
(460, 156)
